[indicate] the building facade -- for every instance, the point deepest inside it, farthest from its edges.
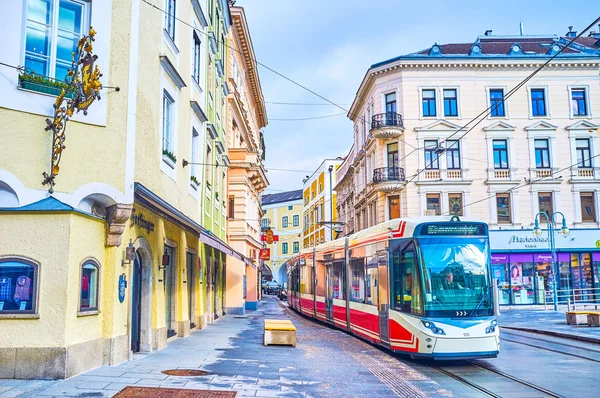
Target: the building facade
(282, 213)
(127, 250)
(535, 151)
(246, 115)
(320, 211)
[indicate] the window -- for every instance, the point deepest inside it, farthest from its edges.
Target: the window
(196, 63)
(296, 247)
(429, 103)
(453, 154)
(455, 204)
(53, 30)
(503, 208)
(290, 207)
(406, 294)
(392, 155)
(265, 222)
(231, 209)
(588, 207)
(431, 156)
(394, 207)
(316, 213)
(89, 287)
(207, 164)
(390, 110)
(497, 103)
(305, 222)
(284, 248)
(433, 204)
(545, 203)
(500, 149)
(450, 103)
(18, 283)
(357, 281)
(578, 102)
(296, 220)
(538, 102)
(542, 154)
(170, 19)
(284, 222)
(167, 124)
(582, 147)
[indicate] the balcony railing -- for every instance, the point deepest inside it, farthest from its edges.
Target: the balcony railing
(384, 174)
(443, 175)
(386, 125)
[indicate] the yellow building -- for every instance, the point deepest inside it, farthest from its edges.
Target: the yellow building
(320, 214)
(283, 212)
(247, 178)
(114, 259)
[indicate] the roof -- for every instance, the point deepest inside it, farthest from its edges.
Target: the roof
(529, 46)
(281, 197)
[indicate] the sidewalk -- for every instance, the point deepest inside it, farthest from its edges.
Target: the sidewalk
(547, 322)
(325, 363)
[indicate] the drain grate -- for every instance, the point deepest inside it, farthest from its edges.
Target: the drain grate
(158, 392)
(186, 372)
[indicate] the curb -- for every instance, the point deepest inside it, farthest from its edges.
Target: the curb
(592, 340)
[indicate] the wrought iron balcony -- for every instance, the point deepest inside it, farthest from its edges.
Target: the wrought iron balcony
(387, 179)
(386, 125)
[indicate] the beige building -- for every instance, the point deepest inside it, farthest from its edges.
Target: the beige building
(534, 152)
(283, 214)
(247, 114)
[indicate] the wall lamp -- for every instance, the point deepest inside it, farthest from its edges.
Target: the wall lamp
(129, 254)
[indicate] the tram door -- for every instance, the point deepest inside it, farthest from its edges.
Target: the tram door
(383, 297)
(329, 292)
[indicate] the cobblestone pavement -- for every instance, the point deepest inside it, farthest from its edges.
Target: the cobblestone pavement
(548, 322)
(325, 363)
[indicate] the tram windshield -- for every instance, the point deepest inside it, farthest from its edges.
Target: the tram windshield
(456, 277)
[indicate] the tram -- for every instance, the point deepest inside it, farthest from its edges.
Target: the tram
(419, 286)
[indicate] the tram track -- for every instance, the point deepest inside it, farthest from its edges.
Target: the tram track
(488, 392)
(551, 349)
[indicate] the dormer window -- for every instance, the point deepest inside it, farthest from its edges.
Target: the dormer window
(515, 50)
(435, 50)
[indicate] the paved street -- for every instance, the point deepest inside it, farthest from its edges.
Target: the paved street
(331, 363)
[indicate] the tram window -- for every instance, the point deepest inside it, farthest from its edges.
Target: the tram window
(357, 288)
(371, 281)
(339, 280)
(406, 280)
(321, 276)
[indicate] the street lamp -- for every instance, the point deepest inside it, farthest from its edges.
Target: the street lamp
(564, 231)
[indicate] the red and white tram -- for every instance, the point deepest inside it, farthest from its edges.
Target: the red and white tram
(420, 286)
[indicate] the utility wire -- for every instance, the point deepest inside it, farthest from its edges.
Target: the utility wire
(299, 103)
(306, 118)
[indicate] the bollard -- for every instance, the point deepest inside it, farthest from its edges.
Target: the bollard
(568, 303)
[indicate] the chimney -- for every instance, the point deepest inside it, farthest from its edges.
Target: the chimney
(488, 32)
(571, 32)
(596, 34)
(521, 28)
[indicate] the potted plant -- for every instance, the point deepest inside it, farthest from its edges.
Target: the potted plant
(42, 84)
(195, 180)
(169, 155)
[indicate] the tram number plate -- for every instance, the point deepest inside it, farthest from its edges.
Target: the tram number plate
(466, 334)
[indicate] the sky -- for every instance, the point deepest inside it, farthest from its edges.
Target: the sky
(328, 45)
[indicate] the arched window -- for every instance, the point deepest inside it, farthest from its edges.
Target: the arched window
(90, 278)
(18, 286)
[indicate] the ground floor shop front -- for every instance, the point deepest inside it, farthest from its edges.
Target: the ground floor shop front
(522, 267)
(79, 290)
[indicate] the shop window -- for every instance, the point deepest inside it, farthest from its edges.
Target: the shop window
(588, 207)
(18, 279)
(90, 273)
(521, 279)
(545, 203)
(357, 287)
(455, 204)
(500, 274)
(433, 204)
(503, 208)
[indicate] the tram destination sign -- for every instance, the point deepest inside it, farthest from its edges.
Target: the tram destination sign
(453, 229)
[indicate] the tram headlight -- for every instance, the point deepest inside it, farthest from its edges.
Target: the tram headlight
(431, 326)
(494, 322)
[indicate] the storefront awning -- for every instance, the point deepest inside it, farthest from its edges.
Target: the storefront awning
(155, 203)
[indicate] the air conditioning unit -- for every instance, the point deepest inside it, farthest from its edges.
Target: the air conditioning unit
(430, 212)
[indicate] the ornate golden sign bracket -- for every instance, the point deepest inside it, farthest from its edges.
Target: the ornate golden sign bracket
(83, 85)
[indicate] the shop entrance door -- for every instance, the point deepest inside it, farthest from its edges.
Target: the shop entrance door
(329, 292)
(189, 267)
(215, 269)
(136, 303)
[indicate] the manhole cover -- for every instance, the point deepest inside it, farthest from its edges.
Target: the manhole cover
(185, 372)
(158, 392)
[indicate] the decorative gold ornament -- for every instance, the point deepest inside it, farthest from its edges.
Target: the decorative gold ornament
(83, 85)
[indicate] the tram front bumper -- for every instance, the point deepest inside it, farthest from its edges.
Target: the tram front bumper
(463, 348)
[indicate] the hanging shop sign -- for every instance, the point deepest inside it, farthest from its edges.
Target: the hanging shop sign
(264, 254)
(269, 237)
(122, 287)
(82, 89)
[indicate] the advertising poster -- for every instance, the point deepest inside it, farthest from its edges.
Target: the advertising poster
(516, 275)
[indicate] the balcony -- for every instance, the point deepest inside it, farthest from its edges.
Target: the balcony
(583, 174)
(388, 179)
(386, 125)
(445, 175)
